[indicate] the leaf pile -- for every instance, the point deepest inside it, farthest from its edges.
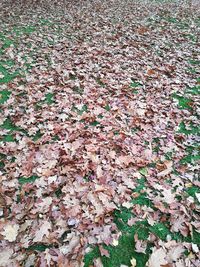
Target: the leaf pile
(99, 133)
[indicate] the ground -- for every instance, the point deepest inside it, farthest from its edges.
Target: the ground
(99, 133)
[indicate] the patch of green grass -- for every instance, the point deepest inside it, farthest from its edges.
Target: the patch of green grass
(172, 20)
(37, 136)
(196, 238)
(116, 132)
(7, 138)
(142, 200)
(93, 254)
(9, 125)
(4, 96)
(143, 171)
(7, 43)
(135, 84)
(184, 25)
(98, 80)
(45, 22)
(100, 116)
(190, 159)
(160, 230)
(25, 180)
(58, 193)
(95, 123)
(169, 155)
(38, 247)
(8, 62)
(78, 90)
(55, 138)
(19, 31)
(107, 107)
(9, 77)
(124, 251)
(121, 218)
(194, 62)
(3, 70)
(49, 98)
(72, 77)
(192, 70)
(134, 130)
(193, 90)
(152, 165)
(191, 191)
(141, 184)
(183, 102)
(2, 165)
(82, 110)
(188, 130)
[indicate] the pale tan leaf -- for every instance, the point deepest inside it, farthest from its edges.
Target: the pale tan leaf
(10, 232)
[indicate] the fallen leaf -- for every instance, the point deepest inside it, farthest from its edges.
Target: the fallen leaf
(133, 262)
(157, 258)
(5, 257)
(104, 252)
(42, 231)
(10, 232)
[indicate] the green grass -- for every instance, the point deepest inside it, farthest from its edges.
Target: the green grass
(194, 62)
(191, 129)
(38, 247)
(82, 110)
(125, 250)
(193, 90)
(142, 200)
(135, 84)
(37, 136)
(49, 98)
(4, 96)
(7, 138)
(183, 102)
(25, 180)
(9, 125)
(190, 159)
(107, 107)
(191, 191)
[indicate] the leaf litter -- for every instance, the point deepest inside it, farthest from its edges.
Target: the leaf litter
(99, 114)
